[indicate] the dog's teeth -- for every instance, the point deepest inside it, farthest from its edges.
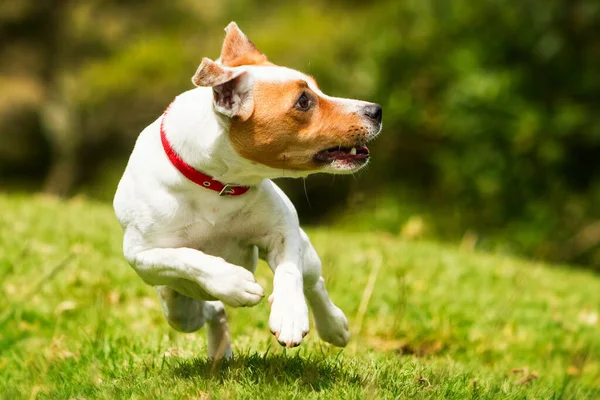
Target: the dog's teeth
(353, 151)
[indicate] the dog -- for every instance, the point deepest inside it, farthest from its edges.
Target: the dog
(198, 208)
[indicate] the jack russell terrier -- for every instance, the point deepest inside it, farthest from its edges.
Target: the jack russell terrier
(198, 208)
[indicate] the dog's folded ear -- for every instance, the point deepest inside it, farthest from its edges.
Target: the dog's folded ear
(232, 88)
(239, 50)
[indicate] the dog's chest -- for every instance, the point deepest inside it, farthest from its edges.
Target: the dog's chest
(215, 229)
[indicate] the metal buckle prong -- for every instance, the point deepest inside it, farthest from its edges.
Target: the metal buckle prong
(227, 190)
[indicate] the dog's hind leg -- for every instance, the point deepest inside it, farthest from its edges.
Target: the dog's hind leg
(219, 342)
(185, 314)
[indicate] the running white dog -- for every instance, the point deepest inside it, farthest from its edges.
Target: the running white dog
(198, 208)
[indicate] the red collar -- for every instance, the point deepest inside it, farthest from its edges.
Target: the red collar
(193, 174)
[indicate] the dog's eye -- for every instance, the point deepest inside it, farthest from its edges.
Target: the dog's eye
(303, 103)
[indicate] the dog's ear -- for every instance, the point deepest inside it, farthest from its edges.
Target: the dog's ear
(239, 50)
(232, 88)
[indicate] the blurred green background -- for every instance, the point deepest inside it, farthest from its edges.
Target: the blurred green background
(491, 109)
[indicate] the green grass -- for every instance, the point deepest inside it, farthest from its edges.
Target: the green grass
(76, 322)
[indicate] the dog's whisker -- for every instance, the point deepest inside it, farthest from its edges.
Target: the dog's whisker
(306, 193)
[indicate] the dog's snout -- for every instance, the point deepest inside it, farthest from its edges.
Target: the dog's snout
(374, 112)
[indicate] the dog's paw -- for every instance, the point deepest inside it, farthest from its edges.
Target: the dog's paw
(234, 286)
(333, 328)
(289, 318)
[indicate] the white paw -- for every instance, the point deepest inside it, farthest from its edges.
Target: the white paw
(289, 318)
(234, 286)
(333, 327)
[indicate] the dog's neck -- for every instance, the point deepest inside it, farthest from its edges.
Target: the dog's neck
(199, 136)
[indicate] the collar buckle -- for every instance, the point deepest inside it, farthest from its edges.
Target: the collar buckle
(227, 190)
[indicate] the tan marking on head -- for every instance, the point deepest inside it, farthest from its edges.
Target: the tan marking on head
(239, 50)
(281, 136)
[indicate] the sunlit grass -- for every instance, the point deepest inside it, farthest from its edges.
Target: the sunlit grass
(76, 321)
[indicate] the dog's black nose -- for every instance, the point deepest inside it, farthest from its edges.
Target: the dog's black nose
(374, 112)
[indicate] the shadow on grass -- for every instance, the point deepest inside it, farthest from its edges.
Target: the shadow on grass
(314, 372)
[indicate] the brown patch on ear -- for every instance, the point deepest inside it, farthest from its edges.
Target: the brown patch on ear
(210, 73)
(239, 50)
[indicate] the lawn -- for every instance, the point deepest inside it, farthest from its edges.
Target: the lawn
(428, 321)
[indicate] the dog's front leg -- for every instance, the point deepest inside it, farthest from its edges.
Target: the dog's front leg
(289, 313)
(197, 275)
(331, 322)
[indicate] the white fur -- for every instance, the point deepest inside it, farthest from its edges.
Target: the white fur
(197, 247)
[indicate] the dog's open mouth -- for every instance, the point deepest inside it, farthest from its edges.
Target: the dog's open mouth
(340, 153)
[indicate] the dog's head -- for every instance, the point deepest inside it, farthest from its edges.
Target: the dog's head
(279, 117)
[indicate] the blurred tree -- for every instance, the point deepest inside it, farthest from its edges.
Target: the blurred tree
(497, 104)
(490, 108)
(86, 58)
